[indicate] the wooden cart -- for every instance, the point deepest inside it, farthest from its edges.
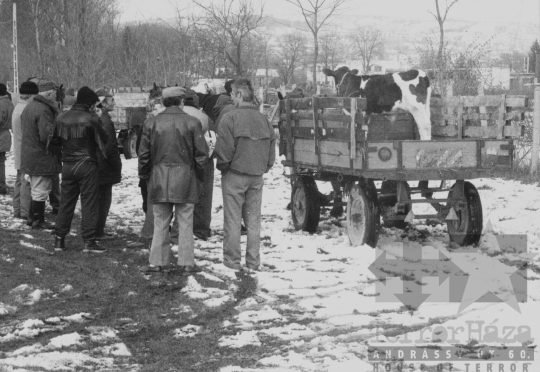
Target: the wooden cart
(325, 140)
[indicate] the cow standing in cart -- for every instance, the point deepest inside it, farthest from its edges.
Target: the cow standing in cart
(352, 142)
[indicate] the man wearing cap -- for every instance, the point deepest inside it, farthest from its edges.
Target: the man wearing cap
(110, 168)
(21, 194)
(82, 137)
(6, 110)
(245, 150)
(40, 156)
(172, 156)
(69, 99)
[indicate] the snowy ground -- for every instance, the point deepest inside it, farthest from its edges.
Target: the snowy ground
(315, 293)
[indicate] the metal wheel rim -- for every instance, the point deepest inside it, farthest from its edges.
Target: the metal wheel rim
(299, 205)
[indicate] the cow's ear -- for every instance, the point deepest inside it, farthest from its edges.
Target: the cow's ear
(354, 71)
(280, 96)
(328, 72)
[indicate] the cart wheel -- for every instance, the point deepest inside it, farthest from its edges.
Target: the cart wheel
(129, 145)
(305, 207)
(363, 214)
(467, 229)
(388, 203)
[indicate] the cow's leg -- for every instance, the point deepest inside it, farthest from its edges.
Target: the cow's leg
(423, 122)
(337, 209)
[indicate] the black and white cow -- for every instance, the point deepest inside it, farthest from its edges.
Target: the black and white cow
(409, 91)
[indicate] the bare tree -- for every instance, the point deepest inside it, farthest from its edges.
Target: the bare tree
(316, 13)
(368, 43)
(231, 23)
(291, 52)
(332, 49)
(440, 16)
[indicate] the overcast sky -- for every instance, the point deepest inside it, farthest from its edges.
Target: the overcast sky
(503, 11)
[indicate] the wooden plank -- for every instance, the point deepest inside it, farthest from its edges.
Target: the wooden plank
(501, 122)
(374, 162)
(328, 102)
(476, 101)
(352, 140)
(290, 148)
(305, 157)
(490, 131)
(440, 155)
(314, 105)
(334, 154)
(304, 145)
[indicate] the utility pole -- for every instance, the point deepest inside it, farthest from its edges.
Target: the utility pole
(15, 52)
(536, 122)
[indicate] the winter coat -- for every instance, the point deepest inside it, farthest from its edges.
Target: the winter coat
(246, 142)
(110, 169)
(172, 156)
(40, 154)
(81, 134)
(17, 131)
(6, 110)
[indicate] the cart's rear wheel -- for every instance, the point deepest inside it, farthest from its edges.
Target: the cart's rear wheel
(363, 214)
(467, 229)
(305, 207)
(129, 145)
(388, 203)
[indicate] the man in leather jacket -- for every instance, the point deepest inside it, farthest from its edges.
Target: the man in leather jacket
(172, 156)
(82, 136)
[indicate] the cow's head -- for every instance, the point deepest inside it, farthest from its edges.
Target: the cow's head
(347, 81)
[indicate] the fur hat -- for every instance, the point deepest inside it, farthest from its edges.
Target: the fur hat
(87, 96)
(3, 89)
(29, 87)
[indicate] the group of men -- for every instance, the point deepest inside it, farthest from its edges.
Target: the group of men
(174, 158)
(176, 166)
(76, 143)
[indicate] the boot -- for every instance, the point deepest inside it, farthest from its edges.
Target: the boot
(39, 216)
(59, 243)
(30, 217)
(90, 245)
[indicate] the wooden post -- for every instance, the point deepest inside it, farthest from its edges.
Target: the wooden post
(460, 119)
(353, 128)
(536, 131)
(501, 122)
(261, 96)
(315, 104)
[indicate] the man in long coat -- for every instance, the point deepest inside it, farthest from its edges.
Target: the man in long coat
(172, 156)
(6, 110)
(21, 193)
(40, 156)
(110, 168)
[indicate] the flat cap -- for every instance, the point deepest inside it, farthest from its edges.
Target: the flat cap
(174, 92)
(43, 85)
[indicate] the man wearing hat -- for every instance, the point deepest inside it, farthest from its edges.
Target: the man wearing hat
(21, 194)
(69, 99)
(82, 137)
(6, 110)
(172, 156)
(40, 156)
(110, 168)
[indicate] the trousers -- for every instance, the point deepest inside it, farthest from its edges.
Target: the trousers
(41, 187)
(160, 251)
(21, 196)
(80, 178)
(104, 206)
(202, 216)
(3, 185)
(242, 199)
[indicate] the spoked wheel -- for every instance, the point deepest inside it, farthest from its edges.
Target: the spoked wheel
(305, 205)
(388, 203)
(363, 214)
(467, 228)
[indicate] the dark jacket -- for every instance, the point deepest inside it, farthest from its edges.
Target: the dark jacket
(40, 154)
(110, 168)
(172, 155)
(246, 142)
(6, 110)
(81, 134)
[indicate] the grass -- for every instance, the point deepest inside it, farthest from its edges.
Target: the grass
(110, 287)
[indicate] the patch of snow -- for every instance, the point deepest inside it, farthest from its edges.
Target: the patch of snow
(241, 339)
(70, 339)
(30, 245)
(217, 302)
(290, 332)
(264, 315)
(187, 331)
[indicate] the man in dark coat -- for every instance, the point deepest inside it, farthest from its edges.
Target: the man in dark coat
(172, 156)
(6, 110)
(110, 168)
(82, 137)
(40, 156)
(245, 150)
